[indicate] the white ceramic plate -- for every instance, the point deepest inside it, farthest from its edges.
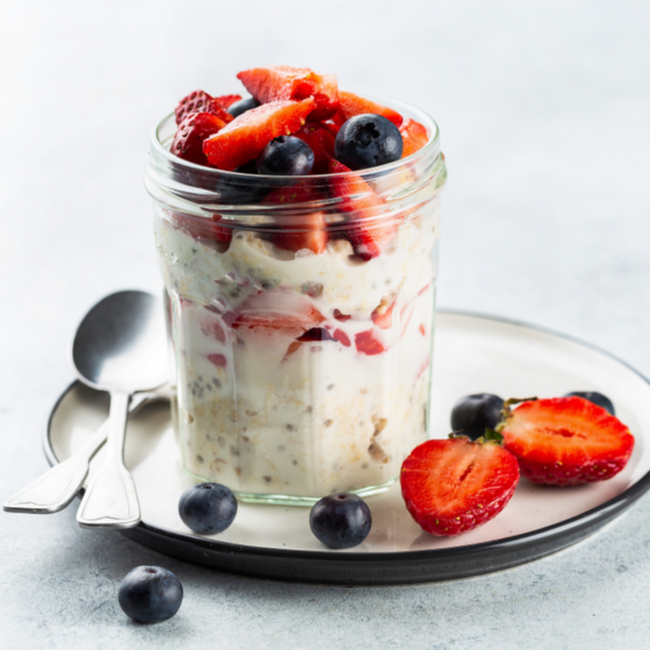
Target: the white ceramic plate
(472, 354)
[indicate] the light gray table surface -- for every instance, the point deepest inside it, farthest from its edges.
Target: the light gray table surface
(544, 110)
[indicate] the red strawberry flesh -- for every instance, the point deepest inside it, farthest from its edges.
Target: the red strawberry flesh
(285, 82)
(454, 485)
(200, 102)
(566, 441)
(244, 138)
(414, 137)
(351, 105)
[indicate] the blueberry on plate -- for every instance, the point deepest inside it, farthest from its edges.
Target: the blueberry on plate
(472, 414)
(150, 594)
(242, 106)
(340, 520)
(207, 508)
(595, 398)
(286, 156)
(367, 140)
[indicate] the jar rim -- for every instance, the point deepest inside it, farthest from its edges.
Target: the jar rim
(431, 148)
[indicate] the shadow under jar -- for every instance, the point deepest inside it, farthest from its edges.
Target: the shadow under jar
(301, 315)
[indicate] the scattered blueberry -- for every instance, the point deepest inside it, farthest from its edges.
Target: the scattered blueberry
(242, 106)
(595, 398)
(286, 156)
(248, 168)
(207, 508)
(366, 141)
(150, 594)
(473, 413)
(340, 520)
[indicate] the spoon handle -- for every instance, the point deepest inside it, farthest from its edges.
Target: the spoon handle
(55, 489)
(111, 500)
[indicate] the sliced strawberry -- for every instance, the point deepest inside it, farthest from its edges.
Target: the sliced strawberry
(218, 360)
(308, 231)
(382, 316)
(211, 327)
(367, 343)
(200, 102)
(368, 231)
(228, 100)
(284, 82)
(342, 337)
(340, 316)
(244, 138)
(351, 105)
(191, 133)
(321, 141)
(454, 485)
(285, 312)
(566, 441)
(221, 233)
(414, 137)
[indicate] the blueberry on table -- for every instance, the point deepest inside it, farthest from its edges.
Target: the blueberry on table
(367, 140)
(207, 508)
(472, 414)
(340, 520)
(595, 398)
(150, 594)
(242, 106)
(286, 156)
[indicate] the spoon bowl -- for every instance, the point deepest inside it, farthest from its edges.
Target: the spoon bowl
(119, 347)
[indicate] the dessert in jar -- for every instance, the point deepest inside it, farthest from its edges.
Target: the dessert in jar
(297, 233)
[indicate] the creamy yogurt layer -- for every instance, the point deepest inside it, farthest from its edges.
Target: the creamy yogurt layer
(300, 374)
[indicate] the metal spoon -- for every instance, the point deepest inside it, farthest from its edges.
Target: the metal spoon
(120, 347)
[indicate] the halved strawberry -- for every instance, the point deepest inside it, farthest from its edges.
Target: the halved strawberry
(284, 82)
(454, 485)
(200, 102)
(351, 105)
(191, 133)
(228, 100)
(321, 141)
(414, 137)
(566, 440)
(244, 138)
(368, 230)
(297, 232)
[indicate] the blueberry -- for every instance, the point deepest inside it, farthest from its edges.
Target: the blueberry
(150, 594)
(286, 156)
(366, 141)
(473, 413)
(595, 398)
(242, 106)
(207, 508)
(340, 520)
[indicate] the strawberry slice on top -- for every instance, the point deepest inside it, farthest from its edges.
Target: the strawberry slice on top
(244, 138)
(285, 82)
(351, 105)
(191, 133)
(414, 137)
(320, 139)
(452, 486)
(367, 228)
(565, 440)
(200, 102)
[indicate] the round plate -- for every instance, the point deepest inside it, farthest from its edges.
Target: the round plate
(472, 354)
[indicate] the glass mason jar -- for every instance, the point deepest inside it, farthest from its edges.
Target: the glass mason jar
(301, 315)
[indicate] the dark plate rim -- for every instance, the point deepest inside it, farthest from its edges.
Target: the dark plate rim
(398, 567)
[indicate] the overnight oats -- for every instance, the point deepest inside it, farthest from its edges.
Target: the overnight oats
(297, 234)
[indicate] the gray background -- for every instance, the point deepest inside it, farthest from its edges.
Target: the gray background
(544, 110)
